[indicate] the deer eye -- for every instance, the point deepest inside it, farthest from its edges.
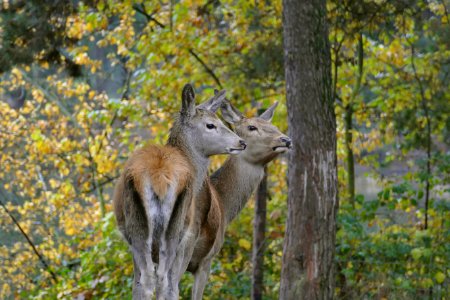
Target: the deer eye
(210, 126)
(252, 128)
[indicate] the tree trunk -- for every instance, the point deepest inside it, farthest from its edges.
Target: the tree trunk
(308, 265)
(259, 231)
(348, 121)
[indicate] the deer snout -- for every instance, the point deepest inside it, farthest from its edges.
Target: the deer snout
(242, 146)
(287, 141)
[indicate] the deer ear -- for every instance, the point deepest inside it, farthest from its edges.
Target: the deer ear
(214, 102)
(187, 101)
(268, 114)
(230, 113)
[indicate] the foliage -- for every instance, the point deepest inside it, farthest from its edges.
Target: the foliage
(64, 147)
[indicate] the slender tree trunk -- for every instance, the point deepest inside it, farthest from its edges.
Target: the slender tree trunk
(308, 264)
(428, 150)
(428, 146)
(259, 232)
(348, 121)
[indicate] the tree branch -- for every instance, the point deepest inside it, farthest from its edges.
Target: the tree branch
(41, 258)
(149, 18)
(205, 66)
(100, 184)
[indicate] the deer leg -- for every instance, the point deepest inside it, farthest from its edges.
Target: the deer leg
(144, 269)
(172, 291)
(171, 243)
(138, 292)
(180, 253)
(201, 279)
(169, 257)
(181, 257)
(161, 273)
(167, 249)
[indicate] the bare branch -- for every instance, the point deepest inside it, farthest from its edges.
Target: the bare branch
(205, 66)
(149, 17)
(100, 184)
(141, 9)
(41, 258)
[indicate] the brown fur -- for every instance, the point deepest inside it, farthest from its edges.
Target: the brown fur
(163, 165)
(227, 191)
(157, 187)
(212, 224)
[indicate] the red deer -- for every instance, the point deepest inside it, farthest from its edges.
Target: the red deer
(227, 191)
(158, 184)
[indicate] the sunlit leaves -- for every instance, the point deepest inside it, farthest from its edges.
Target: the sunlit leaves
(63, 149)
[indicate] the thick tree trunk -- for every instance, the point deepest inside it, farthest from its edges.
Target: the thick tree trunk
(259, 232)
(308, 265)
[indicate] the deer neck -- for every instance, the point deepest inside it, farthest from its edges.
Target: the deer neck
(235, 182)
(199, 162)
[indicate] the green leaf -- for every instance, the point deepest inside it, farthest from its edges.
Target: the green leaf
(440, 277)
(416, 253)
(420, 194)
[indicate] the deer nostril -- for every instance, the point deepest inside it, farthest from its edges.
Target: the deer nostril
(286, 140)
(242, 143)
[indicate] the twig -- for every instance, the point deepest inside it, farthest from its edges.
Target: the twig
(41, 258)
(100, 184)
(143, 12)
(205, 66)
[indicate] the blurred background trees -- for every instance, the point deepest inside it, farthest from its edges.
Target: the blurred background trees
(85, 83)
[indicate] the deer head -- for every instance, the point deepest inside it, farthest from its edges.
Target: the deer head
(202, 129)
(265, 141)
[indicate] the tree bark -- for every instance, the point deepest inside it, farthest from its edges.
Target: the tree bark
(308, 266)
(259, 232)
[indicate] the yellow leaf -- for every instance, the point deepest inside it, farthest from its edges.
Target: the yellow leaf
(53, 183)
(70, 231)
(245, 244)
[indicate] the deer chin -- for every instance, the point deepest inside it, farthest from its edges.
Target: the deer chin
(235, 150)
(281, 148)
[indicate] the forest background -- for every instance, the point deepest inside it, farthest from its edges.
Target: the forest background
(83, 84)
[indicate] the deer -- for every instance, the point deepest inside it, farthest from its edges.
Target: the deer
(225, 193)
(158, 184)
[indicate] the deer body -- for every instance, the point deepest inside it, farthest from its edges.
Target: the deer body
(152, 196)
(227, 191)
(154, 178)
(244, 179)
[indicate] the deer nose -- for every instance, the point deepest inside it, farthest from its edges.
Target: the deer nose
(286, 140)
(243, 144)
